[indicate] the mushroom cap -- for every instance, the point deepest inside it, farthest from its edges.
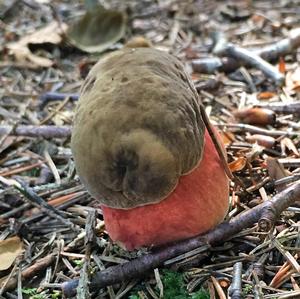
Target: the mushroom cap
(137, 128)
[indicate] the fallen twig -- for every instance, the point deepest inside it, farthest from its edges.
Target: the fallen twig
(141, 266)
(38, 202)
(31, 270)
(270, 53)
(281, 107)
(235, 290)
(37, 131)
(257, 130)
(57, 96)
(246, 57)
(82, 289)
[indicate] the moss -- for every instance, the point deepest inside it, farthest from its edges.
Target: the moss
(175, 288)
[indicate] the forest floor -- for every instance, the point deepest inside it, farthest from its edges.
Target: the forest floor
(243, 58)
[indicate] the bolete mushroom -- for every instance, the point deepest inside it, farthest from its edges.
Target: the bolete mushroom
(140, 147)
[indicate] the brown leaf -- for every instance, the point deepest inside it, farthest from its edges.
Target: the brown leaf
(52, 34)
(227, 137)
(276, 171)
(266, 95)
(9, 251)
(296, 86)
(255, 116)
(237, 164)
(293, 79)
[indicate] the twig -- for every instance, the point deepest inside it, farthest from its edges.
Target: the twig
(38, 202)
(31, 271)
(37, 131)
(6, 283)
(218, 288)
(287, 255)
(19, 284)
(281, 107)
(282, 47)
(141, 266)
(235, 290)
(21, 169)
(55, 111)
(83, 289)
(270, 53)
(57, 96)
(247, 57)
(284, 271)
(210, 65)
(219, 41)
(257, 130)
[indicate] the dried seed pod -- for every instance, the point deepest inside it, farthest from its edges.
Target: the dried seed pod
(255, 116)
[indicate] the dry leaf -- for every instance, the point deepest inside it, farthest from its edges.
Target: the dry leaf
(9, 251)
(257, 18)
(237, 164)
(276, 171)
(227, 137)
(52, 34)
(293, 79)
(63, 117)
(296, 87)
(266, 95)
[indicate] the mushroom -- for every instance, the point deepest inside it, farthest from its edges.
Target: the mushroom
(141, 148)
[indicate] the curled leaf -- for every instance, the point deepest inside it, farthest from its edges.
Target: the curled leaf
(52, 34)
(237, 164)
(9, 251)
(227, 137)
(97, 30)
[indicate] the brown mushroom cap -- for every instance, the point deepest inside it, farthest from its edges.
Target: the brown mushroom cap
(137, 128)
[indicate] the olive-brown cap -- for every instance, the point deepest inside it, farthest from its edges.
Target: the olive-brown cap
(137, 128)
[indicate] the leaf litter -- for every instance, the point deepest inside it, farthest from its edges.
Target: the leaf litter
(46, 215)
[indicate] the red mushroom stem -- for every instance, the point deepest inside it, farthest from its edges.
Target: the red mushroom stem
(198, 203)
